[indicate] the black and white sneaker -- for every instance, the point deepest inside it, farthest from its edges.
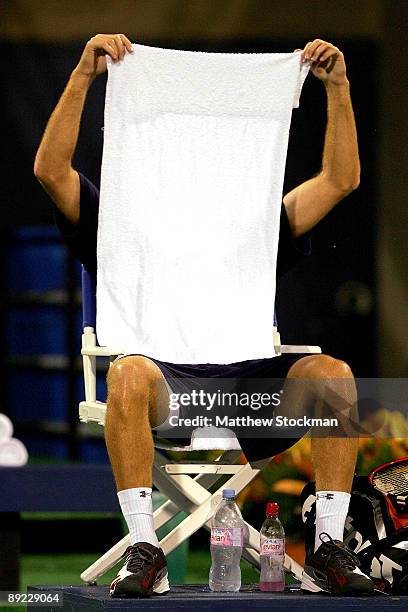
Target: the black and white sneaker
(334, 569)
(144, 572)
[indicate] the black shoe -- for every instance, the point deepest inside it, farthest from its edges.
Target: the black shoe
(334, 569)
(144, 572)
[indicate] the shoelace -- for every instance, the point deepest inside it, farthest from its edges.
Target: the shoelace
(345, 557)
(136, 557)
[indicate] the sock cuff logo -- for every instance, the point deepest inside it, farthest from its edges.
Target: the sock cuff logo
(324, 495)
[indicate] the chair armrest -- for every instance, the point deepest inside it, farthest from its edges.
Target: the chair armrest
(300, 348)
(101, 351)
(90, 348)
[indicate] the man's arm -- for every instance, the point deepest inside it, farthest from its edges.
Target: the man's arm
(53, 162)
(308, 203)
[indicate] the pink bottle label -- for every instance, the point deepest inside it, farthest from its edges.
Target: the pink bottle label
(272, 546)
(224, 536)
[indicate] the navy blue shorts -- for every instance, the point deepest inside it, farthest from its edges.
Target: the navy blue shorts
(178, 377)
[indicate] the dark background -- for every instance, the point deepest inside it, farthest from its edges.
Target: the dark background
(347, 296)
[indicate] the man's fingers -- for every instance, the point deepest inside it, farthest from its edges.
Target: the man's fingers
(110, 49)
(105, 43)
(313, 47)
(314, 50)
(113, 41)
(115, 44)
(329, 64)
(309, 49)
(318, 52)
(326, 59)
(107, 47)
(127, 43)
(120, 46)
(305, 51)
(327, 54)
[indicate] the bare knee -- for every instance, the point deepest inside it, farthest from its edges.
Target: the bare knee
(330, 381)
(320, 366)
(129, 381)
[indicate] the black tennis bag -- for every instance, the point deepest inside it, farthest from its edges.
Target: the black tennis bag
(371, 531)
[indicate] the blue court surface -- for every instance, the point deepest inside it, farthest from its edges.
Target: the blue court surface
(199, 598)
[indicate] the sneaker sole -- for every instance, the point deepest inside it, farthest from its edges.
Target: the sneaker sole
(309, 584)
(126, 590)
(161, 585)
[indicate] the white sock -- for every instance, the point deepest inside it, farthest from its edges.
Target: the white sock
(137, 508)
(331, 513)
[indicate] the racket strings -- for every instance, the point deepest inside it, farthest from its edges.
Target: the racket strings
(393, 479)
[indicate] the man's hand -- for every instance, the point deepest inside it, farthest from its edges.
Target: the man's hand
(340, 172)
(328, 63)
(93, 60)
(53, 162)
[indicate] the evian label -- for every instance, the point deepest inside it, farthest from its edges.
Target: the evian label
(225, 536)
(272, 546)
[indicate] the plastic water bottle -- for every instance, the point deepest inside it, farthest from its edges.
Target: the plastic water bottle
(227, 534)
(272, 551)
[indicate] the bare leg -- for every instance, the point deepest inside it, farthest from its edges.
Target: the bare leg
(334, 458)
(135, 385)
(136, 394)
(328, 565)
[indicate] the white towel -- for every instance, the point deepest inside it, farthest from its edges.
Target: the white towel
(192, 173)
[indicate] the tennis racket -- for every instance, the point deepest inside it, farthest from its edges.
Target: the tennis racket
(391, 480)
